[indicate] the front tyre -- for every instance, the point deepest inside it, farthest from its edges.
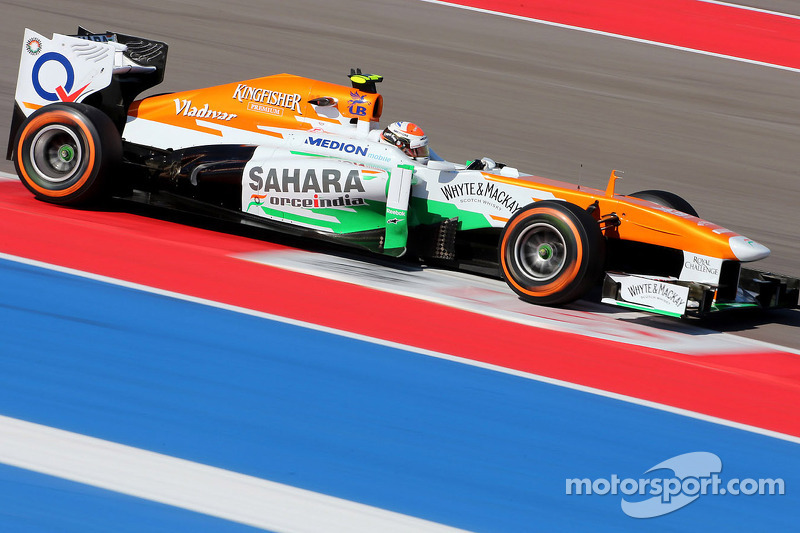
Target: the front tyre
(667, 199)
(64, 153)
(552, 252)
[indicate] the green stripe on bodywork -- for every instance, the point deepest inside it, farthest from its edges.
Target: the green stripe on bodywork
(308, 154)
(733, 305)
(397, 229)
(361, 218)
(425, 211)
(642, 308)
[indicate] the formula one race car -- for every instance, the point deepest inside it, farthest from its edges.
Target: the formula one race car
(308, 158)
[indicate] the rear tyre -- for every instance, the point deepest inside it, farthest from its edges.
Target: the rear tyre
(667, 199)
(552, 252)
(64, 153)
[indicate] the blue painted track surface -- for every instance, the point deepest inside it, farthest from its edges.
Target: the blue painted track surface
(427, 437)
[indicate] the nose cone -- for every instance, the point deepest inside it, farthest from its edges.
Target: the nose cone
(747, 249)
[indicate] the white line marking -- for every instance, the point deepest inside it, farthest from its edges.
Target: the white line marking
(614, 35)
(7, 176)
(750, 8)
(197, 487)
(399, 346)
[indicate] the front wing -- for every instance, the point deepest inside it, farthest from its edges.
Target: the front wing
(672, 297)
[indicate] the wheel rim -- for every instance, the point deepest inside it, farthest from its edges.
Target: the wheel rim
(540, 252)
(55, 153)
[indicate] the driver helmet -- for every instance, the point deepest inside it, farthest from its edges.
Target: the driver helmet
(409, 138)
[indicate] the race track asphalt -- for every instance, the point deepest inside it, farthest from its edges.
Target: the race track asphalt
(551, 101)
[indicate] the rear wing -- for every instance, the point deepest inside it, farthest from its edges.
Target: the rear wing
(105, 70)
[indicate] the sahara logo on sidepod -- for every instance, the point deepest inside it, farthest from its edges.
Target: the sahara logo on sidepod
(62, 92)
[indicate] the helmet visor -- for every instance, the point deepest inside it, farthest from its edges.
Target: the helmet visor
(419, 153)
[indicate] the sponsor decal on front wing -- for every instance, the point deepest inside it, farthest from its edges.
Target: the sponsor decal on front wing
(653, 293)
(700, 268)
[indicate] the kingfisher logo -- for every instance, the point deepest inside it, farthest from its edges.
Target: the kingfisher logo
(60, 93)
(268, 97)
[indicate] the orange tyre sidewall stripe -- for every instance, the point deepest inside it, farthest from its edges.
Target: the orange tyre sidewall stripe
(565, 278)
(67, 120)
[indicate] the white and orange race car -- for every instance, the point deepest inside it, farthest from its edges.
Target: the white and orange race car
(309, 158)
